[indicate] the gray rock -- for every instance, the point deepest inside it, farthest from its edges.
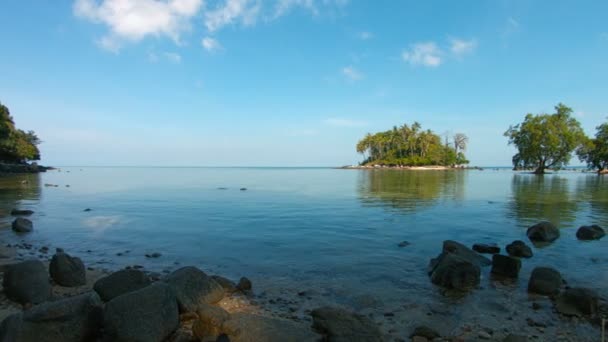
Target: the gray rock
(463, 251)
(452, 271)
(121, 282)
(403, 244)
(545, 281)
(67, 270)
(243, 327)
(577, 302)
(519, 249)
(338, 325)
(505, 266)
(543, 232)
(22, 225)
(21, 212)
(228, 285)
(426, 332)
(193, 287)
(244, 285)
(486, 249)
(593, 232)
(27, 282)
(146, 315)
(72, 319)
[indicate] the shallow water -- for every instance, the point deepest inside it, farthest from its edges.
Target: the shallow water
(331, 232)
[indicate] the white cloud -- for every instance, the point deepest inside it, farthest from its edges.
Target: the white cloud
(168, 56)
(365, 35)
(342, 122)
(460, 47)
(284, 6)
(232, 11)
(211, 44)
(351, 73)
(133, 20)
(426, 53)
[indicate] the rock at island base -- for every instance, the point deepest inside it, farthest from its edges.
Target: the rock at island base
(577, 302)
(67, 271)
(339, 325)
(593, 232)
(243, 327)
(22, 225)
(72, 319)
(519, 249)
(454, 272)
(543, 232)
(545, 281)
(193, 287)
(21, 212)
(486, 249)
(121, 282)
(149, 314)
(27, 282)
(505, 266)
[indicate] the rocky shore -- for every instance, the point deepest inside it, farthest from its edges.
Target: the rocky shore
(403, 167)
(23, 168)
(53, 296)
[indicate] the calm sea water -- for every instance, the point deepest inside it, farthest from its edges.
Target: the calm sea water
(335, 231)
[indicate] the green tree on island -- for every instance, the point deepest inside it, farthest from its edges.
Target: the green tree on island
(546, 141)
(412, 146)
(595, 151)
(16, 146)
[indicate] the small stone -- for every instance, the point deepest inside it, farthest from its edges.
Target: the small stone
(244, 285)
(505, 266)
(403, 244)
(22, 225)
(484, 335)
(519, 249)
(153, 255)
(593, 232)
(486, 249)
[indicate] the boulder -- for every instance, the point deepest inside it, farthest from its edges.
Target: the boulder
(519, 249)
(22, 225)
(593, 232)
(452, 271)
(545, 281)
(577, 302)
(244, 285)
(338, 325)
(21, 212)
(228, 285)
(243, 327)
(463, 251)
(27, 282)
(210, 322)
(67, 270)
(72, 319)
(543, 232)
(505, 266)
(193, 287)
(486, 249)
(149, 314)
(121, 282)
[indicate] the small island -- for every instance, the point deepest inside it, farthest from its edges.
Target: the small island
(18, 148)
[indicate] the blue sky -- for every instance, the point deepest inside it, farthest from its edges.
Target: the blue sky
(290, 82)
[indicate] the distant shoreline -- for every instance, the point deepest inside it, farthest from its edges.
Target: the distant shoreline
(23, 168)
(414, 168)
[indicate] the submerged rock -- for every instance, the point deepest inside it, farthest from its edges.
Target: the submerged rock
(403, 244)
(515, 338)
(453, 271)
(543, 232)
(72, 319)
(149, 314)
(505, 266)
(193, 287)
(545, 281)
(21, 212)
(486, 249)
(519, 249)
(244, 285)
(121, 282)
(338, 325)
(426, 332)
(27, 282)
(466, 253)
(593, 232)
(577, 302)
(243, 327)
(22, 225)
(67, 270)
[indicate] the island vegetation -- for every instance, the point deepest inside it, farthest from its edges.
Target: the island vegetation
(412, 146)
(594, 151)
(16, 146)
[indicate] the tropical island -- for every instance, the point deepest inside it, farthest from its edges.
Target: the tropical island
(17, 147)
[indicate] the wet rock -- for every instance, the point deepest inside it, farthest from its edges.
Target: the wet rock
(88, 209)
(228, 285)
(209, 322)
(243, 189)
(593, 232)
(505, 266)
(149, 314)
(543, 232)
(153, 255)
(426, 332)
(403, 244)
(545, 281)
(454, 272)
(463, 251)
(577, 302)
(484, 335)
(244, 285)
(27, 282)
(21, 212)
(193, 287)
(515, 338)
(243, 327)
(519, 249)
(339, 325)
(67, 270)
(223, 338)
(74, 319)
(22, 225)
(121, 282)
(486, 249)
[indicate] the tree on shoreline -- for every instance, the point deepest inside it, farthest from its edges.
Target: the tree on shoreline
(16, 146)
(595, 151)
(546, 141)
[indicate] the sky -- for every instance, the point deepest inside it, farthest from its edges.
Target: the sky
(291, 82)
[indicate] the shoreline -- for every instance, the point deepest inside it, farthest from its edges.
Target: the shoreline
(407, 168)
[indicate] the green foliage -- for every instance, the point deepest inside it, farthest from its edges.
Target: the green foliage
(16, 146)
(411, 146)
(546, 140)
(595, 151)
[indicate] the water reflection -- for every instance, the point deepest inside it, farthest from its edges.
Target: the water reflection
(409, 191)
(595, 189)
(18, 191)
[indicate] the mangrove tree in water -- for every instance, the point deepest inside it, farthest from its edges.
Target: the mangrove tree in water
(595, 151)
